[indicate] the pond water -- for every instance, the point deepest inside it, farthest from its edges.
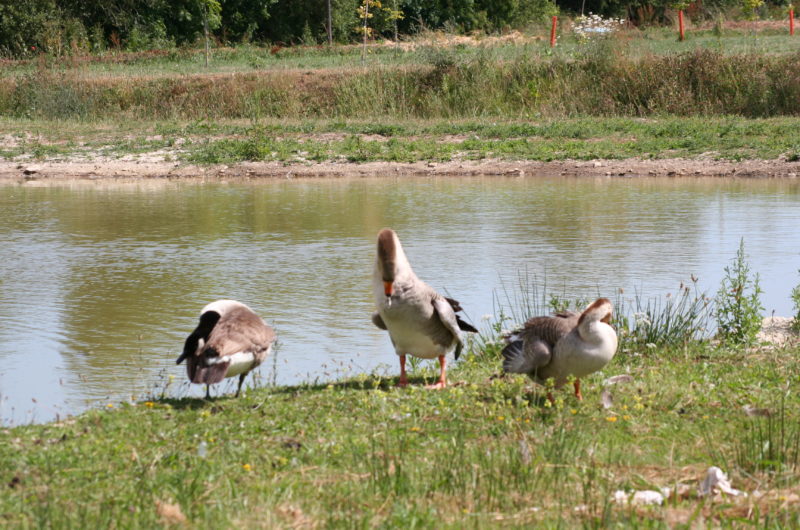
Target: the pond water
(100, 283)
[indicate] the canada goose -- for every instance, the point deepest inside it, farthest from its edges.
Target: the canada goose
(563, 345)
(229, 340)
(420, 321)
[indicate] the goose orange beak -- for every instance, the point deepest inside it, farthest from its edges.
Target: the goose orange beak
(387, 288)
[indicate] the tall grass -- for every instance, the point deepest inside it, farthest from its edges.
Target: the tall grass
(671, 320)
(593, 83)
(769, 443)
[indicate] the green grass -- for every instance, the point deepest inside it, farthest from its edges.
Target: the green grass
(609, 77)
(485, 452)
(426, 48)
(226, 141)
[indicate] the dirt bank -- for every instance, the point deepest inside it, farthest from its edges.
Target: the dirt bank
(155, 169)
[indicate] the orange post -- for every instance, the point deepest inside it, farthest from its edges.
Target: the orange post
(791, 22)
(553, 32)
(680, 24)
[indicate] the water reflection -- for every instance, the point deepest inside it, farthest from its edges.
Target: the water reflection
(100, 284)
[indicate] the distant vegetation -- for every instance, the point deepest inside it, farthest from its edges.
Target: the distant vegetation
(66, 27)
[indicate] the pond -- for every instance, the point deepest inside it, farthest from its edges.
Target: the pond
(100, 283)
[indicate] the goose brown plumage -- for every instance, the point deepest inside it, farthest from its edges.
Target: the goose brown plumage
(563, 345)
(231, 339)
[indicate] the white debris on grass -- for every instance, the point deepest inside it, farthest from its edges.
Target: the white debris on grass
(639, 498)
(716, 481)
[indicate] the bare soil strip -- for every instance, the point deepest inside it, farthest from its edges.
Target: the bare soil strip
(136, 169)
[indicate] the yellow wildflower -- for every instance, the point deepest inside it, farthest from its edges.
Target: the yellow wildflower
(246, 467)
(611, 419)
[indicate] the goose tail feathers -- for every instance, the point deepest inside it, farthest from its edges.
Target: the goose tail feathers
(514, 359)
(464, 326)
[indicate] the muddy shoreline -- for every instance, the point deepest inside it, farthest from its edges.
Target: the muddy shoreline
(115, 170)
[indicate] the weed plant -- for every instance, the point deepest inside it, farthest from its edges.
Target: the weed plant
(738, 303)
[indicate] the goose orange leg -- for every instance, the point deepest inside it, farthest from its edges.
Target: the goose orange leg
(578, 394)
(442, 382)
(403, 382)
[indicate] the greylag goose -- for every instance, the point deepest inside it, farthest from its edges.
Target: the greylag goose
(229, 340)
(566, 344)
(420, 321)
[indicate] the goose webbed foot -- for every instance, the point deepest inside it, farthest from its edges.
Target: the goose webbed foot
(442, 382)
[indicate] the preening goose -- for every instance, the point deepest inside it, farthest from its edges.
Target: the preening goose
(420, 321)
(229, 340)
(563, 345)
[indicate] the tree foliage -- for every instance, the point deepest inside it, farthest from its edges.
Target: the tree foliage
(62, 26)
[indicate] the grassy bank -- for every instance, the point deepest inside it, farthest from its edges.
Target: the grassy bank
(598, 80)
(722, 95)
(310, 141)
(485, 452)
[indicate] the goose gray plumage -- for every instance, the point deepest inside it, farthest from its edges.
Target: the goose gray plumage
(563, 345)
(420, 321)
(229, 340)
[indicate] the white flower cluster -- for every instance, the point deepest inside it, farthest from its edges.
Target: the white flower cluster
(592, 26)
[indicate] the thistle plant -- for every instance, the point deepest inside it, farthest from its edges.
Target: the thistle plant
(738, 302)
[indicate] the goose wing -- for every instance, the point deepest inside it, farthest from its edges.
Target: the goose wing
(240, 330)
(378, 321)
(531, 347)
(549, 329)
(447, 317)
(463, 326)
